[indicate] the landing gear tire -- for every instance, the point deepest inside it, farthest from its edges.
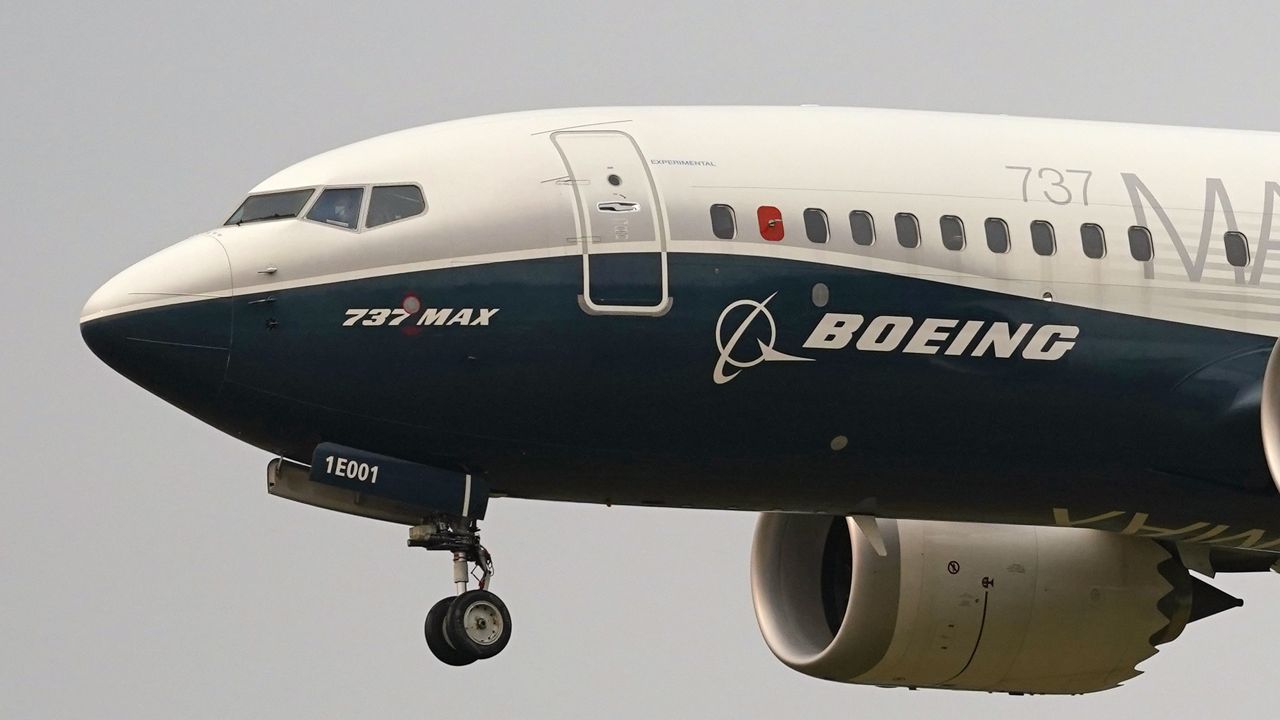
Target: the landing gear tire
(438, 640)
(474, 624)
(478, 624)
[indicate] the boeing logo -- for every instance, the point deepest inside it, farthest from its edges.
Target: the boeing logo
(889, 333)
(767, 353)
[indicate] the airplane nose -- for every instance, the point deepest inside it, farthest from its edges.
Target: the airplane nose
(165, 322)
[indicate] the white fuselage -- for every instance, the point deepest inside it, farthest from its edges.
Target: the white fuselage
(495, 190)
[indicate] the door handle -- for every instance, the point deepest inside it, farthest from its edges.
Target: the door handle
(269, 270)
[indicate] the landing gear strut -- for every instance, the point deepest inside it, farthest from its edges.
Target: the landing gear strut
(473, 624)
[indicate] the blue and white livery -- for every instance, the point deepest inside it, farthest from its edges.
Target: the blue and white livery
(997, 385)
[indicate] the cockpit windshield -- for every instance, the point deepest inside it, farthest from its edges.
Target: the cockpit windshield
(270, 206)
(338, 206)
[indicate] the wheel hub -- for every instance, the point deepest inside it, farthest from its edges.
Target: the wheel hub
(483, 623)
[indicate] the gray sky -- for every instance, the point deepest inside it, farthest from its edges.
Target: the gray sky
(145, 572)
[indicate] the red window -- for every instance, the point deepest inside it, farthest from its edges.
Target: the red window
(770, 222)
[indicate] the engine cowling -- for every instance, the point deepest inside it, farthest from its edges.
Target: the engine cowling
(961, 606)
(1270, 411)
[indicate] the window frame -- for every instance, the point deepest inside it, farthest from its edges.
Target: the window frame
(368, 203)
(1244, 243)
(1102, 235)
(915, 221)
(826, 225)
(871, 224)
(366, 199)
(733, 221)
(301, 212)
(364, 207)
(964, 241)
(1053, 238)
(1150, 239)
(1008, 237)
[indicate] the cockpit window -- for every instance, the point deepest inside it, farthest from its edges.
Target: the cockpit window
(338, 206)
(388, 203)
(270, 206)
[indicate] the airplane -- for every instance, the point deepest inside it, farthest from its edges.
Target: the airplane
(997, 386)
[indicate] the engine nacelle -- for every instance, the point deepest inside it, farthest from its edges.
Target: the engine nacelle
(962, 606)
(1270, 411)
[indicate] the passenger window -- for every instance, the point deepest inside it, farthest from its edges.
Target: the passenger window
(997, 235)
(1042, 239)
(1237, 248)
(863, 227)
(338, 206)
(908, 229)
(952, 232)
(1140, 246)
(723, 223)
(815, 225)
(389, 203)
(1093, 241)
(771, 227)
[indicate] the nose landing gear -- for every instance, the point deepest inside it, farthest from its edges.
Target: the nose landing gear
(473, 624)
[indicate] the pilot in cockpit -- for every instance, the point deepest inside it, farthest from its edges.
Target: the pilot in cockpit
(338, 206)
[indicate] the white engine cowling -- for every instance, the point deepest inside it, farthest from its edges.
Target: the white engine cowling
(1270, 412)
(962, 606)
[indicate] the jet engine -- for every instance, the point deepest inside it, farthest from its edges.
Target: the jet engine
(998, 608)
(1270, 411)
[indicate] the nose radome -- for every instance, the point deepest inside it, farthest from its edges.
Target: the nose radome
(165, 322)
(194, 268)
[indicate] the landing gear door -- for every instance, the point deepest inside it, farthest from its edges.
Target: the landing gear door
(619, 223)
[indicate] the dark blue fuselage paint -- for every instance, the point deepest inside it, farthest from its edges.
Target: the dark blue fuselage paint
(546, 401)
